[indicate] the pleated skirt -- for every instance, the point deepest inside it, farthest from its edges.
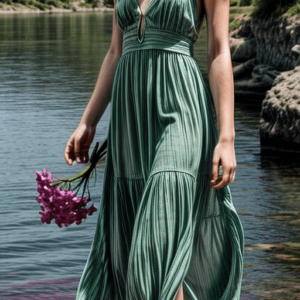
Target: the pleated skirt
(160, 223)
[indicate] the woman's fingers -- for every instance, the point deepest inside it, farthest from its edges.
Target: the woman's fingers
(69, 152)
(232, 175)
(226, 178)
(215, 172)
(224, 157)
(77, 151)
(81, 157)
(81, 152)
(85, 157)
(77, 148)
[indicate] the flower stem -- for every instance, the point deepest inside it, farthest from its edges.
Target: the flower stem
(84, 175)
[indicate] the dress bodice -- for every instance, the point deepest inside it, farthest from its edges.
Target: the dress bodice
(179, 16)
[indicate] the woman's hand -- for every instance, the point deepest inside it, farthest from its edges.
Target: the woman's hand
(79, 143)
(221, 83)
(224, 155)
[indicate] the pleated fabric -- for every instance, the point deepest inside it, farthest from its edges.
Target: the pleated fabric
(160, 223)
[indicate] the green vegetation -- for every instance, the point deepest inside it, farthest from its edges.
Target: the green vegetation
(236, 12)
(234, 2)
(294, 10)
(244, 2)
(261, 8)
(40, 4)
(275, 8)
(234, 24)
(239, 8)
(95, 3)
(89, 3)
(268, 8)
(47, 4)
(109, 3)
(241, 2)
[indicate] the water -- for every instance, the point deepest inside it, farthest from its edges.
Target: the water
(49, 65)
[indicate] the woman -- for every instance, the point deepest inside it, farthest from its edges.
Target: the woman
(167, 228)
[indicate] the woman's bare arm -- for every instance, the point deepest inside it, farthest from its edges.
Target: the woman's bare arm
(222, 87)
(102, 92)
(79, 143)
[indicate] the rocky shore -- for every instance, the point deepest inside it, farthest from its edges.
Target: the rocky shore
(266, 65)
(280, 115)
(76, 7)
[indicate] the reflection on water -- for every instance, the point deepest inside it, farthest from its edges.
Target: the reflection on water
(49, 64)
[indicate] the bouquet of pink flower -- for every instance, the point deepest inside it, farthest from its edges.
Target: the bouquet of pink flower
(59, 200)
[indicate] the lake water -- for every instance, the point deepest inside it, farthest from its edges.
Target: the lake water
(48, 67)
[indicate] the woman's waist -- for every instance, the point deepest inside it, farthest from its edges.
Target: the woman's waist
(155, 38)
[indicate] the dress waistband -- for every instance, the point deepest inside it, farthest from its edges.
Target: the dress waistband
(154, 38)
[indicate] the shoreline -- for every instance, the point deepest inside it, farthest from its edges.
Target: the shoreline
(266, 68)
(6, 9)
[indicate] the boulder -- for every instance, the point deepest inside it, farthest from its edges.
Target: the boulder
(244, 30)
(274, 39)
(244, 69)
(273, 44)
(296, 54)
(243, 49)
(256, 86)
(280, 116)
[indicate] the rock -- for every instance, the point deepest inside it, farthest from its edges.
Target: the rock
(249, 96)
(296, 54)
(288, 252)
(243, 49)
(280, 116)
(274, 45)
(274, 42)
(244, 30)
(257, 85)
(244, 69)
(234, 44)
(273, 38)
(265, 73)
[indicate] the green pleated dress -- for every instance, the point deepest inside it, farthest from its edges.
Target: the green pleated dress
(160, 223)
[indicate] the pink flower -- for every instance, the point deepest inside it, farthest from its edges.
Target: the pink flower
(61, 205)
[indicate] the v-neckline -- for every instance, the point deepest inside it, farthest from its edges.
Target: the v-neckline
(138, 6)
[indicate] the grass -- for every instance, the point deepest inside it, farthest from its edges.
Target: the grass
(236, 12)
(234, 3)
(294, 10)
(241, 2)
(48, 4)
(109, 3)
(245, 2)
(234, 21)
(89, 3)
(234, 24)
(266, 8)
(261, 8)
(275, 8)
(42, 4)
